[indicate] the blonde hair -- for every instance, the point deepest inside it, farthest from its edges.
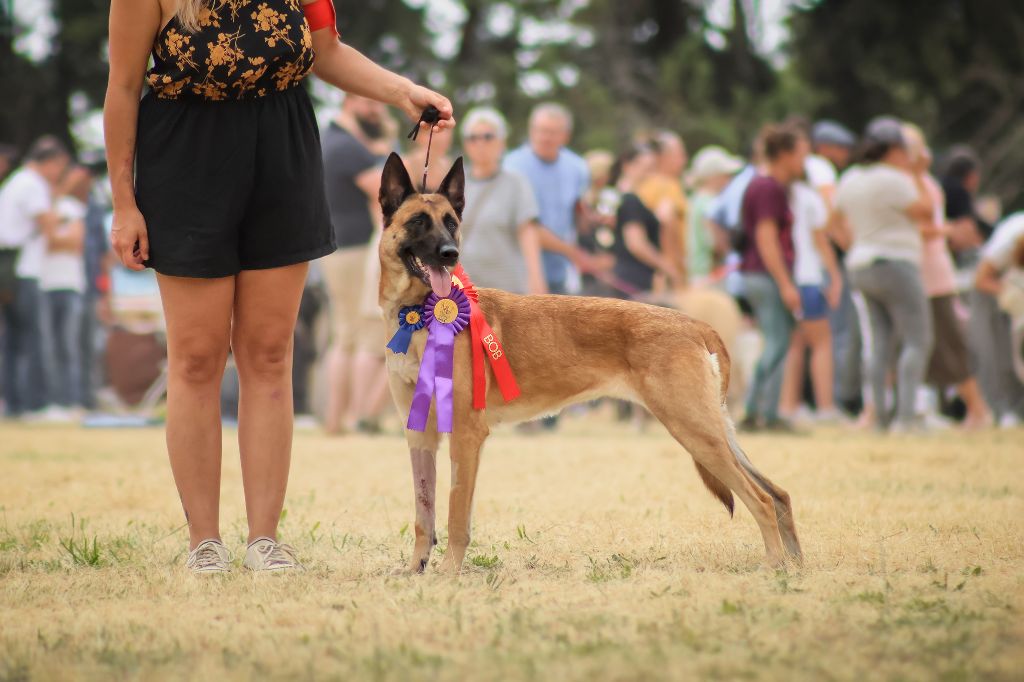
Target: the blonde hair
(917, 144)
(189, 12)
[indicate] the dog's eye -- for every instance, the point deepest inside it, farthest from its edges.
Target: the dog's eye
(450, 223)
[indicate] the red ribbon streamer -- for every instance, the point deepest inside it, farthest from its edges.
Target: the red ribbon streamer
(484, 340)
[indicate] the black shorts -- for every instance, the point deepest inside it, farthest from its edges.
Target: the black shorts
(231, 185)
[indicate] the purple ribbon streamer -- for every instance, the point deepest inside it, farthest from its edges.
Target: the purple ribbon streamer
(435, 381)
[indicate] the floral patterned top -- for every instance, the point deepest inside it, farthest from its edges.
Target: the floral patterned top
(243, 49)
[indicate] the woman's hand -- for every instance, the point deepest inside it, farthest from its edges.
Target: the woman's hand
(130, 239)
(416, 98)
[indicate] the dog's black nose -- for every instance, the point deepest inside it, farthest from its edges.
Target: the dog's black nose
(448, 252)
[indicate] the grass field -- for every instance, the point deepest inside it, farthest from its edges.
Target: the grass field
(597, 555)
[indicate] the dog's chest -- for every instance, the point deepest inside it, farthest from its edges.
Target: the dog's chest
(407, 365)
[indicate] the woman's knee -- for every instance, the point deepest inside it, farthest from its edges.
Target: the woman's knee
(267, 356)
(197, 361)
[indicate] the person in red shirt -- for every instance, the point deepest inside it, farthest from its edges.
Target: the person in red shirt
(767, 265)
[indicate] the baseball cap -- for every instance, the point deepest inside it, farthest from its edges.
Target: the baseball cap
(830, 132)
(885, 130)
(713, 160)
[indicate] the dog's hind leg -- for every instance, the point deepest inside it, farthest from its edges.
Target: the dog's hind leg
(697, 425)
(467, 439)
(780, 498)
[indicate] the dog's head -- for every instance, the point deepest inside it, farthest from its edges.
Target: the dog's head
(421, 231)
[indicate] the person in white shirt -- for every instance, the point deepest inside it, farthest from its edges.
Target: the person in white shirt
(26, 212)
(62, 282)
(814, 257)
(989, 328)
(833, 146)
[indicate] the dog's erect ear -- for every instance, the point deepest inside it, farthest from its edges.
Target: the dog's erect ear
(453, 187)
(395, 187)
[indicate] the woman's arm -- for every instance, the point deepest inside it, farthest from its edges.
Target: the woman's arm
(634, 236)
(133, 26)
(529, 244)
(828, 257)
(766, 238)
(68, 237)
(347, 69)
(839, 230)
(987, 280)
(923, 208)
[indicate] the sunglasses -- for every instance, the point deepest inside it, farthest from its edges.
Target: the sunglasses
(483, 137)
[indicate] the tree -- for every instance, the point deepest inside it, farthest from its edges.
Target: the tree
(952, 66)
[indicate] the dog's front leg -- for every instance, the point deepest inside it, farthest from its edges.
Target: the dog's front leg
(423, 454)
(465, 443)
(423, 457)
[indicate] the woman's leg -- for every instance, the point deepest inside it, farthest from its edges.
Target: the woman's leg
(67, 325)
(913, 318)
(198, 313)
(339, 369)
(367, 388)
(819, 338)
(878, 330)
(266, 308)
(776, 326)
(978, 414)
(54, 331)
(793, 373)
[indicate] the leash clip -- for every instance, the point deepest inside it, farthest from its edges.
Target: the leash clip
(431, 115)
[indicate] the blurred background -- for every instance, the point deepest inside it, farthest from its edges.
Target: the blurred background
(667, 98)
(714, 70)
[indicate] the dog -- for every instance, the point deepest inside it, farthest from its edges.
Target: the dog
(563, 350)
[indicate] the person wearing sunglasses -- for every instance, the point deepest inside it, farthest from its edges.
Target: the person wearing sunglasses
(501, 241)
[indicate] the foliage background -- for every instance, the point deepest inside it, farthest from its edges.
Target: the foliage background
(714, 70)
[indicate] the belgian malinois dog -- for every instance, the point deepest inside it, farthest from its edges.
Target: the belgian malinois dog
(563, 350)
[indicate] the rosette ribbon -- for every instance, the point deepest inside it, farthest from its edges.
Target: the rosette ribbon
(485, 341)
(410, 320)
(444, 319)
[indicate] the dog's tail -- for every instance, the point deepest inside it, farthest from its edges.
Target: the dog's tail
(718, 357)
(777, 494)
(717, 488)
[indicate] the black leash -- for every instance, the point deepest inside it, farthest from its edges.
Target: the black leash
(431, 116)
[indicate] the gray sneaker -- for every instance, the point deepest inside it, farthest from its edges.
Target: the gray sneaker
(267, 554)
(209, 556)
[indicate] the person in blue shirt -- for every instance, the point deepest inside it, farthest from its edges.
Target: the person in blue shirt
(559, 178)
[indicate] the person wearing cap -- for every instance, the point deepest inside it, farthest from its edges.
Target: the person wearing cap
(881, 200)
(833, 145)
(712, 169)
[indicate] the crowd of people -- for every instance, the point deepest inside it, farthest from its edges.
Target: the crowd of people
(884, 289)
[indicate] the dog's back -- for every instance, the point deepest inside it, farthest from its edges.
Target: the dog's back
(566, 349)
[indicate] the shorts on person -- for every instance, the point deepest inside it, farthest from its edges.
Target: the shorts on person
(232, 185)
(949, 364)
(356, 325)
(812, 303)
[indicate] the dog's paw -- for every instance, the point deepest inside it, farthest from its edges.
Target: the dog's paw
(449, 567)
(417, 567)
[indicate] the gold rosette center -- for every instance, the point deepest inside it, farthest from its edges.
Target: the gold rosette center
(446, 310)
(412, 318)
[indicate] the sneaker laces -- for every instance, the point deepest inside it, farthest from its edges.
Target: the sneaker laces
(206, 555)
(281, 554)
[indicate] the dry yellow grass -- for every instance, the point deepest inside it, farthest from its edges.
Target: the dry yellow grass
(596, 555)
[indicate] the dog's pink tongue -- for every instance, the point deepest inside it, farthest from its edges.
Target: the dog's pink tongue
(440, 280)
